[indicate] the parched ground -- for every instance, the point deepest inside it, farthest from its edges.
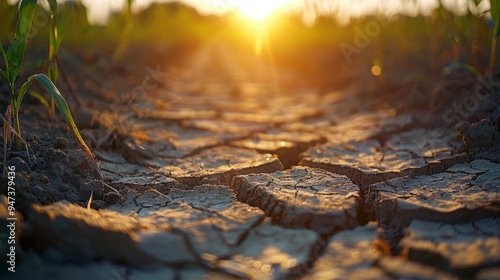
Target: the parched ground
(224, 167)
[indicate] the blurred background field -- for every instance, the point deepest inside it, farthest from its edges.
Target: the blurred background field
(332, 44)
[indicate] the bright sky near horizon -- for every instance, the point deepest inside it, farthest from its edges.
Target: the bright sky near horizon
(99, 9)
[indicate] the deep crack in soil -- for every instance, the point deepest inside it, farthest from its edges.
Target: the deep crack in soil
(258, 179)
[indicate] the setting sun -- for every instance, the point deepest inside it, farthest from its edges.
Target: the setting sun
(259, 9)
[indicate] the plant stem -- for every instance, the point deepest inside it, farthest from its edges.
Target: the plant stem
(17, 125)
(15, 114)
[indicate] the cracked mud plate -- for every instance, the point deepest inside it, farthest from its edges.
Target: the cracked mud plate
(464, 192)
(358, 254)
(463, 249)
(417, 152)
(204, 227)
(302, 197)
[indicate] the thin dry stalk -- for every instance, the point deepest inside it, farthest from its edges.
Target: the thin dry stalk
(8, 131)
(116, 191)
(90, 200)
(6, 136)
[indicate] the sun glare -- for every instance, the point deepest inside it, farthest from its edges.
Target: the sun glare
(259, 10)
(258, 13)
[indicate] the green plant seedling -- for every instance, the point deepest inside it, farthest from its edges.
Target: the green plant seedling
(127, 30)
(14, 56)
(58, 27)
(495, 18)
(13, 60)
(59, 100)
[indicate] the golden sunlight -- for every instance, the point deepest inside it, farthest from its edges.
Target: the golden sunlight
(259, 10)
(258, 14)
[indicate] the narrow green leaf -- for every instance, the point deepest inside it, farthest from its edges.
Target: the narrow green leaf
(15, 53)
(4, 57)
(52, 36)
(22, 92)
(62, 105)
(53, 7)
(4, 73)
(40, 99)
(5, 77)
(53, 71)
(52, 49)
(495, 15)
(63, 24)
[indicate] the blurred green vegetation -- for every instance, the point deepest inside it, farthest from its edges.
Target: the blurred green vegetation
(440, 38)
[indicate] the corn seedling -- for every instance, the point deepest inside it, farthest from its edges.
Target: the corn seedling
(58, 27)
(125, 36)
(13, 59)
(495, 25)
(14, 56)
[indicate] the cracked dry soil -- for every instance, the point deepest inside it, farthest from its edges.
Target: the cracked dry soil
(261, 179)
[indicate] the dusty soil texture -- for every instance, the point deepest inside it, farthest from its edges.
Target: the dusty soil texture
(218, 165)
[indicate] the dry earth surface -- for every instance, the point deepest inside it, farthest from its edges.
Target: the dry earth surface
(228, 168)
